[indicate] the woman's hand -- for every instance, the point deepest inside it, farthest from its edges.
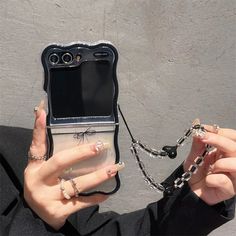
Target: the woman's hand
(215, 180)
(42, 187)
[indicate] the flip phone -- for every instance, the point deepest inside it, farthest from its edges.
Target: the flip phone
(82, 91)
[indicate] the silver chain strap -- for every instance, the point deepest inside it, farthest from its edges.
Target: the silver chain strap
(137, 146)
(171, 152)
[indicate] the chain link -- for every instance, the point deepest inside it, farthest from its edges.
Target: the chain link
(186, 176)
(170, 151)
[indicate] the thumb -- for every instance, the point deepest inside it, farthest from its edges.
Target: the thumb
(39, 145)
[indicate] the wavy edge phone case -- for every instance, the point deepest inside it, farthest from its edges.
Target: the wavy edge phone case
(65, 132)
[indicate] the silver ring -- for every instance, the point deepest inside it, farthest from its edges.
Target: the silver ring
(216, 128)
(36, 158)
(62, 188)
(36, 109)
(74, 185)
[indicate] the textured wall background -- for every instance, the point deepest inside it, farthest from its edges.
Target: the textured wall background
(177, 62)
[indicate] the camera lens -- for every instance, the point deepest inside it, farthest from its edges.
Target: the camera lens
(67, 58)
(54, 58)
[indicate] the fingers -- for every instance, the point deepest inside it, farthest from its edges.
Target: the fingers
(92, 180)
(226, 145)
(222, 182)
(87, 182)
(228, 133)
(197, 147)
(225, 165)
(66, 158)
(38, 146)
(69, 188)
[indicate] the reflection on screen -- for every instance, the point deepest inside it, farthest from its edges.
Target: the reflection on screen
(86, 90)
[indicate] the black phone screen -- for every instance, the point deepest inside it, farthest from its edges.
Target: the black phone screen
(85, 90)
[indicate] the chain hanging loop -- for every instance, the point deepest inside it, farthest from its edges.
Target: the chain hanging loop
(168, 151)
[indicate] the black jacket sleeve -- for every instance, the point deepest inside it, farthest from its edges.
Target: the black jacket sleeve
(181, 213)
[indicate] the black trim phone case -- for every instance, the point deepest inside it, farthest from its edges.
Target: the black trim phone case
(82, 89)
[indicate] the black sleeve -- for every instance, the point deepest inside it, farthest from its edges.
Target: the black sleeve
(180, 213)
(16, 218)
(188, 214)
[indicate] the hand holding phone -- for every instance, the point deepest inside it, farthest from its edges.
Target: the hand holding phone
(82, 89)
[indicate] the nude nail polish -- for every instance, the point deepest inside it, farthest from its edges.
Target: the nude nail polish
(199, 134)
(41, 105)
(39, 108)
(115, 168)
(100, 146)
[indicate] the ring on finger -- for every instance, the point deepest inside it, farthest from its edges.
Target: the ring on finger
(36, 109)
(215, 128)
(63, 190)
(36, 158)
(75, 187)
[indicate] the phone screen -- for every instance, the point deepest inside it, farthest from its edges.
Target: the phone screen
(85, 90)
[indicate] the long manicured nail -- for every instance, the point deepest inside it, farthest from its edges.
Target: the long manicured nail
(39, 108)
(115, 168)
(196, 122)
(100, 146)
(200, 134)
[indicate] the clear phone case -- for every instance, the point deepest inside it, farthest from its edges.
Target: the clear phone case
(82, 90)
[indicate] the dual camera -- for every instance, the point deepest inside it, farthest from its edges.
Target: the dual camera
(61, 58)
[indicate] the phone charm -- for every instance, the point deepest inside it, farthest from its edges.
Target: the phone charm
(167, 151)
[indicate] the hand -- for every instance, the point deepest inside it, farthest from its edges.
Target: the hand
(42, 185)
(215, 180)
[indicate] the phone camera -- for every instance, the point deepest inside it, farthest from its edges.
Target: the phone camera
(54, 58)
(67, 58)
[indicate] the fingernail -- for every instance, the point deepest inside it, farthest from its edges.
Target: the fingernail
(199, 134)
(196, 122)
(41, 105)
(39, 108)
(215, 128)
(115, 168)
(100, 146)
